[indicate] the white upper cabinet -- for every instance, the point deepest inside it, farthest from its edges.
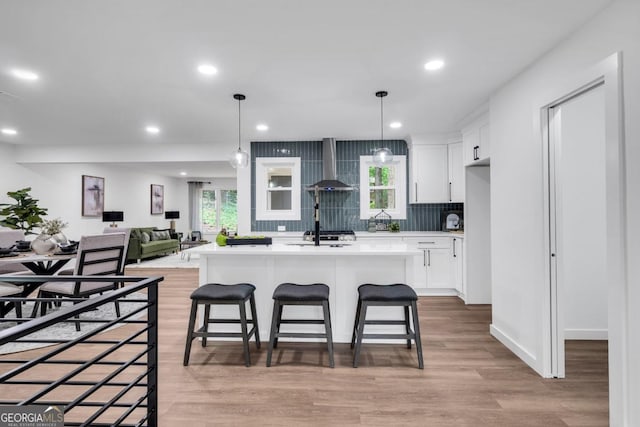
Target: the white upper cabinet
(429, 174)
(456, 173)
(476, 139)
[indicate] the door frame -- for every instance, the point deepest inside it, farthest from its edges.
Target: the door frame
(609, 74)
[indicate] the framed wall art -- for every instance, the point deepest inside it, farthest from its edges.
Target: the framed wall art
(157, 199)
(92, 195)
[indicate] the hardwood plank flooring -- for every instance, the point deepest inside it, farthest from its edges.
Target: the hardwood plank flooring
(469, 379)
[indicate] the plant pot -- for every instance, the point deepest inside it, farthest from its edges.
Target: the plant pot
(44, 244)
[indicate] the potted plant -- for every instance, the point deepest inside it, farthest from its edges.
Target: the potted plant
(25, 214)
(50, 237)
(394, 227)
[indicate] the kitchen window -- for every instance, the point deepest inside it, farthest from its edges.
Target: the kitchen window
(277, 184)
(383, 188)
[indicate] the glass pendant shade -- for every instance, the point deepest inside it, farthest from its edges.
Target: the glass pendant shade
(382, 157)
(239, 159)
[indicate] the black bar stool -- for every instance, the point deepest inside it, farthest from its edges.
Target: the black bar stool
(214, 294)
(386, 295)
(293, 294)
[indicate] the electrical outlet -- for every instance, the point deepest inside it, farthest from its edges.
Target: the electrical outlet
(282, 228)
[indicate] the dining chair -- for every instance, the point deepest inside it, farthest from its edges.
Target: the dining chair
(98, 255)
(10, 290)
(127, 236)
(9, 238)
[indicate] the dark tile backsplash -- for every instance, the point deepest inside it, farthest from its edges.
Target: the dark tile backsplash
(339, 210)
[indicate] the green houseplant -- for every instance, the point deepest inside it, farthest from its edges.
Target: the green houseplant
(25, 214)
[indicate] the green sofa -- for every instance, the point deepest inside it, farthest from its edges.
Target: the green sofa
(146, 242)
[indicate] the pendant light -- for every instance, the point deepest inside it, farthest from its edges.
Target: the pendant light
(382, 156)
(239, 158)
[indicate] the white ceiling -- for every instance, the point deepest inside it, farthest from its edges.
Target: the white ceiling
(309, 69)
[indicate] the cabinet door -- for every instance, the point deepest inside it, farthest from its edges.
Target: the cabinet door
(429, 173)
(457, 261)
(456, 173)
(484, 142)
(420, 271)
(470, 142)
(439, 268)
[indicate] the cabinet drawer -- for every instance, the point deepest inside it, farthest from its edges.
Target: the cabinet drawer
(431, 242)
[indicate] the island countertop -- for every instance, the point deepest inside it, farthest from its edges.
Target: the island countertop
(343, 269)
(357, 248)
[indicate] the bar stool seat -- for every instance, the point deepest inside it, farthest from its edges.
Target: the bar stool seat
(221, 294)
(386, 295)
(295, 294)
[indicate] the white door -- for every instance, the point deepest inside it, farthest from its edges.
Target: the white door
(578, 220)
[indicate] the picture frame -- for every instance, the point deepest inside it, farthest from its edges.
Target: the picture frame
(92, 195)
(157, 199)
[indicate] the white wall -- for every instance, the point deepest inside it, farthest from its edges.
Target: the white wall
(58, 187)
(518, 266)
(477, 224)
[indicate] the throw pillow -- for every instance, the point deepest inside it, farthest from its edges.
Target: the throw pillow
(144, 237)
(160, 235)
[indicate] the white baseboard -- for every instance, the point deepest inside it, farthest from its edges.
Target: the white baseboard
(586, 334)
(516, 348)
(433, 292)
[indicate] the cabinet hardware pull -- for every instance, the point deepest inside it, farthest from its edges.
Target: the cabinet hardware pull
(416, 184)
(424, 258)
(450, 194)
(454, 248)
(475, 152)
(428, 258)
(426, 243)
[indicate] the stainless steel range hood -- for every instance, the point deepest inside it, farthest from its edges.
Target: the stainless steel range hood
(329, 181)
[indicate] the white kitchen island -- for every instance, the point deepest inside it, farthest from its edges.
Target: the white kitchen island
(343, 269)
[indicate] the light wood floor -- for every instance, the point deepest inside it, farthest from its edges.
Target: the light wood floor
(469, 379)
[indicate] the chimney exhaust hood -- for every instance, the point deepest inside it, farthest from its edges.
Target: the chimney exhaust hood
(329, 181)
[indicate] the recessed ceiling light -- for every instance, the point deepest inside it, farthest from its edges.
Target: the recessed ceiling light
(262, 127)
(395, 125)
(207, 69)
(183, 173)
(9, 131)
(25, 74)
(433, 65)
(152, 129)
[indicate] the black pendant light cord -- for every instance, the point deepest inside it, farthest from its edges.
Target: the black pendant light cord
(239, 97)
(381, 94)
(381, 121)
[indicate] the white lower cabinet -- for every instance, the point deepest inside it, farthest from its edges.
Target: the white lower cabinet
(458, 263)
(434, 269)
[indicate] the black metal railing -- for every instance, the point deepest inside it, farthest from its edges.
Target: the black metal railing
(106, 374)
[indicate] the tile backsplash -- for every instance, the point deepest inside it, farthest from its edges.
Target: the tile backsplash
(339, 210)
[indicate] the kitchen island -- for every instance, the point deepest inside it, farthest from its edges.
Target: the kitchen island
(342, 268)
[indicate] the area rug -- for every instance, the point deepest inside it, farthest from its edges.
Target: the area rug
(67, 330)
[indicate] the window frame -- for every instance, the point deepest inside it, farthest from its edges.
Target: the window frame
(262, 188)
(399, 162)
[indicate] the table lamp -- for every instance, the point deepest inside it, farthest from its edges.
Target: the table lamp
(172, 215)
(113, 217)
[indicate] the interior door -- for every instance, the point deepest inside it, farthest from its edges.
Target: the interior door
(577, 220)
